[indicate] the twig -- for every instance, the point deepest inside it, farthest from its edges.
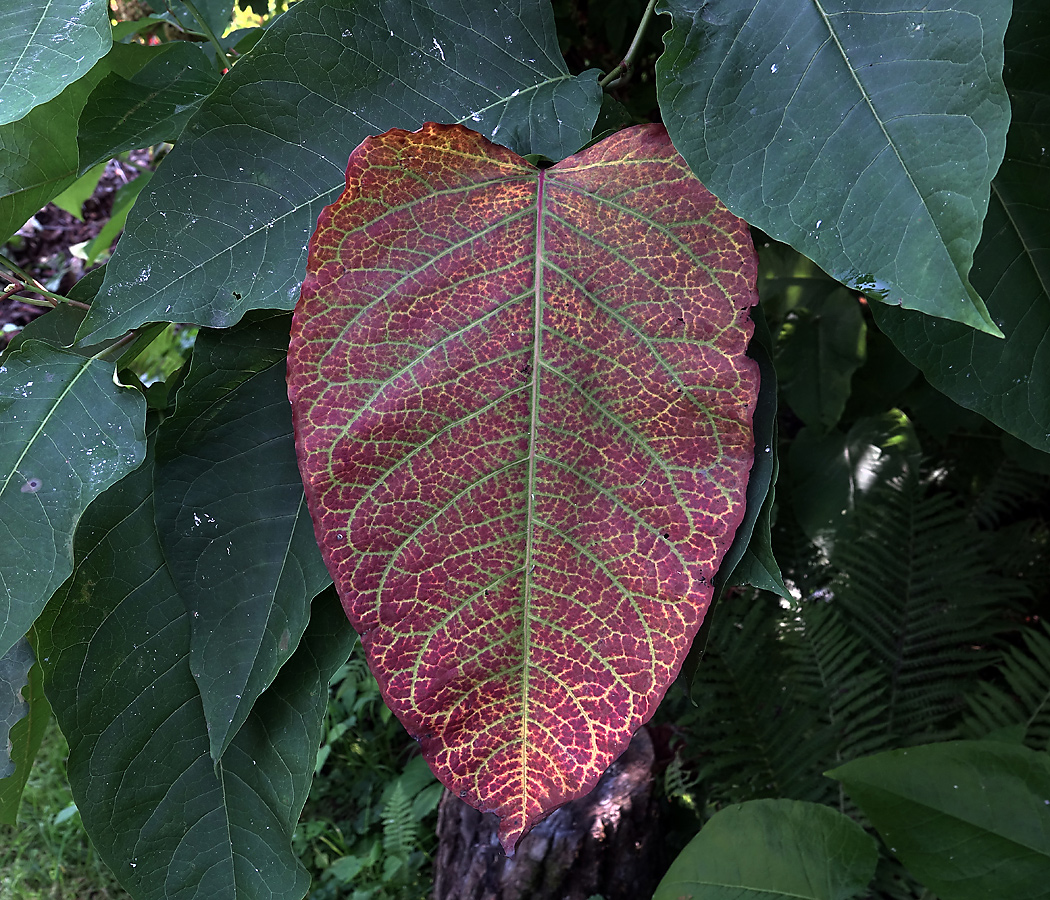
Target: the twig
(22, 281)
(624, 66)
(222, 60)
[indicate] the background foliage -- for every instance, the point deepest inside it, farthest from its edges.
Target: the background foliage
(885, 621)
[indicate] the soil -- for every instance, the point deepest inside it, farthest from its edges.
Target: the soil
(41, 246)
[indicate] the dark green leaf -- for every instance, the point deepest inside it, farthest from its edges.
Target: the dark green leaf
(830, 472)
(1004, 380)
(765, 849)
(751, 544)
(233, 520)
(68, 433)
(216, 14)
(164, 816)
(208, 242)
(970, 819)
(152, 106)
(821, 345)
(46, 45)
(865, 139)
(38, 153)
(26, 731)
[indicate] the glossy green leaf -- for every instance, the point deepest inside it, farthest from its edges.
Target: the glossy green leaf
(167, 819)
(208, 242)
(523, 413)
(24, 726)
(154, 105)
(820, 345)
(831, 472)
(68, 432)
(46, 45)
(768, 849)
(1004, 380)
(233, 521)
(864, 135)
(970, 819)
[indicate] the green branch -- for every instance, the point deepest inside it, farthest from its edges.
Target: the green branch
(627, 62)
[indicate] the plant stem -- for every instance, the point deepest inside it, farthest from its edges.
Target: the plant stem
(22, 281)
(221, 56)
(625, 64)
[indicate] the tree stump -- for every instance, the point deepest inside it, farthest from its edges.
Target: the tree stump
(606, 843)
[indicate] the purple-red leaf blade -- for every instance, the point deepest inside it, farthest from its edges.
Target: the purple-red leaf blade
(523, 417)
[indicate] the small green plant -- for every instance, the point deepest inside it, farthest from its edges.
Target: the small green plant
(368, 828)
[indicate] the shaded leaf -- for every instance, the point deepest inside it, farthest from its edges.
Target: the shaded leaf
(831, 472)
(46, 45)
(750, 558)
(523, 416)
(1004, 380)
(26, 733)
(68, 433)
(969, 819)
(864, 137)
(233, 521)
(766, 849)
(208, 243)
(14, 675)
(216, 13)
(164, 816)
(820, 346)
(154, 105)
(38, 153)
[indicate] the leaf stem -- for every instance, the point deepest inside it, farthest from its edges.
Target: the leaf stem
(221, 57)
(18, 280)
(624, 66)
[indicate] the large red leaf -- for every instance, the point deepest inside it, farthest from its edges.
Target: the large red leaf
(523, 417)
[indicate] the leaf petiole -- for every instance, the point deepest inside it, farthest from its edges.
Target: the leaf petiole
(624, 66)
(222, 60)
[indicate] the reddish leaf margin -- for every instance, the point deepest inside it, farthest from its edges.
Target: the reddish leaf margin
(523, 409)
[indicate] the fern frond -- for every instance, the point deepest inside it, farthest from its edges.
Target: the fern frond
(1005, 492)
(915, 583)
(399, 827)
(826, 653)
(1026, 703)
(757, 734)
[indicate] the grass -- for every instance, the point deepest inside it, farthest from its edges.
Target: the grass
(48, 856)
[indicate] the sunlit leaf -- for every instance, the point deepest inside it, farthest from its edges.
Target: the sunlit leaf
(46, 45)
(523, 414)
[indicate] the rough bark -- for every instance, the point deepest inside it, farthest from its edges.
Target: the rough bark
(605, 843)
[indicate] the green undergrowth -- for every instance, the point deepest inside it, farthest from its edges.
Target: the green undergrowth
(367, 833)
(48, 856)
